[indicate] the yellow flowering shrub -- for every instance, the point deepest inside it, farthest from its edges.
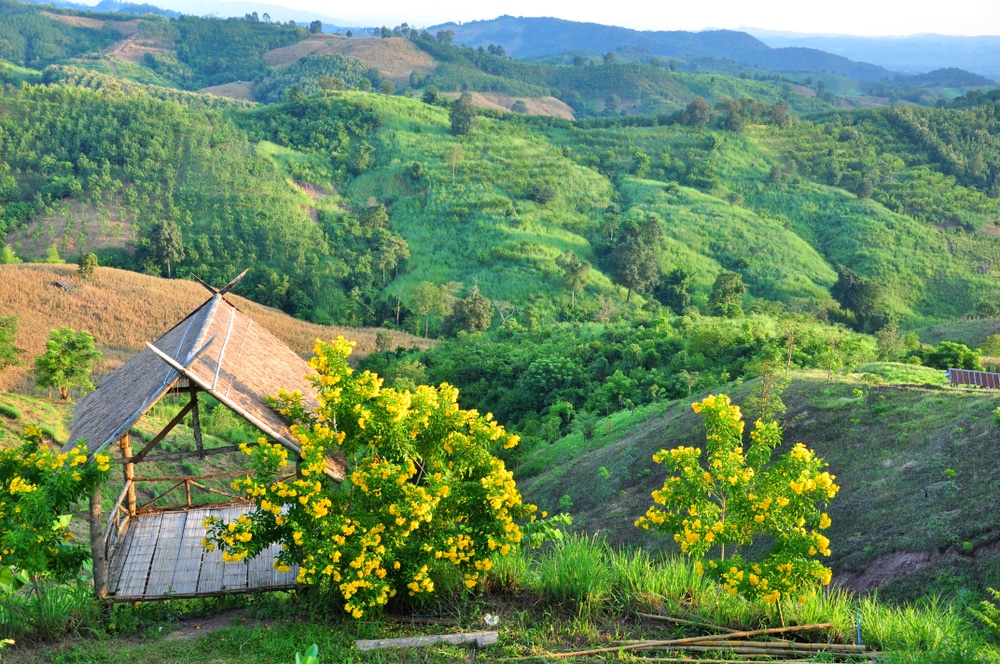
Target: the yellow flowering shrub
(423, 490)
(37, 487)
(717, 502)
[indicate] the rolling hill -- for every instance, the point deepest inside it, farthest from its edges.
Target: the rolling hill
(917, 508)
(123, 310)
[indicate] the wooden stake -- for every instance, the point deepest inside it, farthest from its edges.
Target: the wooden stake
(126, 445)
(97, 547)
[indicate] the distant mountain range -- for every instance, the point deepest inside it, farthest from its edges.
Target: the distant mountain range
(524, 37)
(918, 53)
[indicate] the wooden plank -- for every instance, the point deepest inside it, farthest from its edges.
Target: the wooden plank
(190, 553)
(259, 569)
(135, 570)
(118, 557)
(478, 639)
(168, 543)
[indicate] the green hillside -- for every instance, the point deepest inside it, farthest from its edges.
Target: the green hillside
(908, 459)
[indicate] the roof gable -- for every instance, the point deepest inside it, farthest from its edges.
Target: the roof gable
(241, 363)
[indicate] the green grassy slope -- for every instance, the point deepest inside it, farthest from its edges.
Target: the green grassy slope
(909, 460)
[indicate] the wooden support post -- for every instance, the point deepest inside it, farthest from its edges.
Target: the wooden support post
(196, 423)
(97, 547)
(187, 491)
(126, 445)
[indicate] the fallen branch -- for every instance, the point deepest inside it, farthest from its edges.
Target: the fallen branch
(682, 621)
(478, 639)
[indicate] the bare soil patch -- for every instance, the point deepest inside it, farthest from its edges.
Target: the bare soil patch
(394, 57)
(75, 229)
(535, 105)
(242, 90)
(124, 27)
(135, 47)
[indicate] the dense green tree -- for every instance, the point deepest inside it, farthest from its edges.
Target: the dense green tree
(519, 107)
(471, 314)
(431, 95)
(953, 355)
(67, 361)
(726, 298)
(633, 264)
(166, 245)
(7, 256)
(698, 112)
(859, 295)
(88, 264)
(9, 352)
(462, 115)
(674, 290)
(316, 27)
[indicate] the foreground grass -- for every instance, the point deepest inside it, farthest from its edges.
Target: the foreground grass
(577, 595)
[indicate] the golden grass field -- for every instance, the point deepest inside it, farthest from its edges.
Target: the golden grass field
(394, 57)
(124, 310)
(125, 28)
(535, 105)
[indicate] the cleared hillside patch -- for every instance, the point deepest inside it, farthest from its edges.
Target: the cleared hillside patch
(395, 58)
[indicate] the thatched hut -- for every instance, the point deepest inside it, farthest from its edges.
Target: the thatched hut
(146, 552)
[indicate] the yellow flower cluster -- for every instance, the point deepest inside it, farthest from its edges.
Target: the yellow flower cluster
(19, 485)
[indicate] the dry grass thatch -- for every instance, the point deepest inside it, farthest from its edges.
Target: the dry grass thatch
(124, 310)
(242, 364)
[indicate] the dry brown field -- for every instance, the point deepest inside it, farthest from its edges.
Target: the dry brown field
(125, 28)
(394, 57)
(241, 90)
(124, 310)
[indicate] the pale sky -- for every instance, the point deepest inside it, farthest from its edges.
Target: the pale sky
(856, 17)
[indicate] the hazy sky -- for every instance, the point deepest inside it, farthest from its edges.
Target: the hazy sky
(858, 17)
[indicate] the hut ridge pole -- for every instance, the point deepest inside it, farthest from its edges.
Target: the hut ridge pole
(97, 547)
(126, 445)
(196, 423)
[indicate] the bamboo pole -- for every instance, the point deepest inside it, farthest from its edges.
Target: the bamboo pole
(682, 621)
(196, 424)
(691, 640)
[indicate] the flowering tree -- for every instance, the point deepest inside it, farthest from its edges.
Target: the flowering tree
(423, 493)
(722, 503)
(37, 488)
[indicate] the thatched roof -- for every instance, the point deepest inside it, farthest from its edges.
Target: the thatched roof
(218, 348)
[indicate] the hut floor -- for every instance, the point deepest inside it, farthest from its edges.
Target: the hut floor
(160, 556)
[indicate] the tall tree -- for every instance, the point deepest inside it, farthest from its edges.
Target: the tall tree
(726, 297)
(67, 361)
(633, 265)
(462, 115)
(166, 244)
(675, 291)
(454, 156)
(391, 251)
(9, 352)
(471, 314)
(574, 271)
(857, 294)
